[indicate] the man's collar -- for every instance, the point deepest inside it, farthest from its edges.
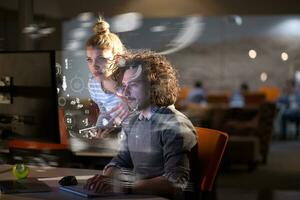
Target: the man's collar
(147, 114)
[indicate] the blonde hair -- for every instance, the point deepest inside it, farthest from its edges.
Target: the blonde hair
(104, 39)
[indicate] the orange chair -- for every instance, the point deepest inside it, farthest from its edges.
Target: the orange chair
(218, 98)
(272, 93)
(183, 93)
(28, 149)
(254, 98)
(211, 147)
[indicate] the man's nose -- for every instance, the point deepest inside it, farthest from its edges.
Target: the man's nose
(126, 92)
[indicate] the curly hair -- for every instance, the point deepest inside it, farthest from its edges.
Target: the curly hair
(160, 74)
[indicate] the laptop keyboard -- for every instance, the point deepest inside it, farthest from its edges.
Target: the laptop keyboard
(9, 185)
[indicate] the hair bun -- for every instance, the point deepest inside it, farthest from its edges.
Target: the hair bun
(101, 27)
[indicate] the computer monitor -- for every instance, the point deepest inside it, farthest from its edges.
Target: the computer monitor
(28, 97)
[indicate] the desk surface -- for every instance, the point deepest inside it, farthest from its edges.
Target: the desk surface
(104, 154)
(51, 175)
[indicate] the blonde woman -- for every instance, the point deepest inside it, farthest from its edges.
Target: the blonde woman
(102, 52)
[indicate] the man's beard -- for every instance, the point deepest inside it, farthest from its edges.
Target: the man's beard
(143, 105)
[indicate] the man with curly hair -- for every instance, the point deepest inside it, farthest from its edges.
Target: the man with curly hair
(159, 140)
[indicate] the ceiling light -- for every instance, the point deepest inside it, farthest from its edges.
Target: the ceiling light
(158, 28)
(126, 22)
(85, 16)
(235, 19)
(252, 54)
(35, 31)
(284, 56)
(263, 76)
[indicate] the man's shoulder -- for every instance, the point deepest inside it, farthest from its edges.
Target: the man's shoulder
(177, 125)
(171, 113)
(171, 120)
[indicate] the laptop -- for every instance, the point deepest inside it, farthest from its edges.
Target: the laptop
(79, 190)
(29, 185)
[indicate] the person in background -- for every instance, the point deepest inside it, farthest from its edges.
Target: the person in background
(237, 99)
(289, 107)
(244, 88)
(159, 141)
(102, 52)
(197, 94)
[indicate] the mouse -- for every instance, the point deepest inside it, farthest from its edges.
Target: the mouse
(68, 180)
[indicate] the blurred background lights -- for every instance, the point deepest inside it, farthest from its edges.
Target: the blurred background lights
(73, 45)
(158, 28)
(126, 22)
(86, 24)
(37, 30)
(284, 56)
(289, 26)
(252, 54)
(47, 31)
(86, 16)
(235, 19)
(263, 76)
(79, 33)
(297, 76)
(188, 34)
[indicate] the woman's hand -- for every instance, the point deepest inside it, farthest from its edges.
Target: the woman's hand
(103, 132)
(119, 113)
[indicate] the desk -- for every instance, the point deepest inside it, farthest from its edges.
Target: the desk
(102, 154)
(51, 175)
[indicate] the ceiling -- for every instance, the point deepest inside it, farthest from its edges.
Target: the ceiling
(64, 9)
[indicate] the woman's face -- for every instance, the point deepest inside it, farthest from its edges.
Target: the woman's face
(99, 60)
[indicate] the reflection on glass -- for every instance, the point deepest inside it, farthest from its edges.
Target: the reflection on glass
(131, 104)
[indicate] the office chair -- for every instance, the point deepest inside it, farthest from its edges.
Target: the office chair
(39, 153)
(33, 152)
(211, 146)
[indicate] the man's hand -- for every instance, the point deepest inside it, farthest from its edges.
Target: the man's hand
(99, 183)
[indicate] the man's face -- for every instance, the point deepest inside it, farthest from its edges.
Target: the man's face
(136, 89)
(98, 61)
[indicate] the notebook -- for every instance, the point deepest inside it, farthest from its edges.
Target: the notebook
(78, 190)
(28, 185)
